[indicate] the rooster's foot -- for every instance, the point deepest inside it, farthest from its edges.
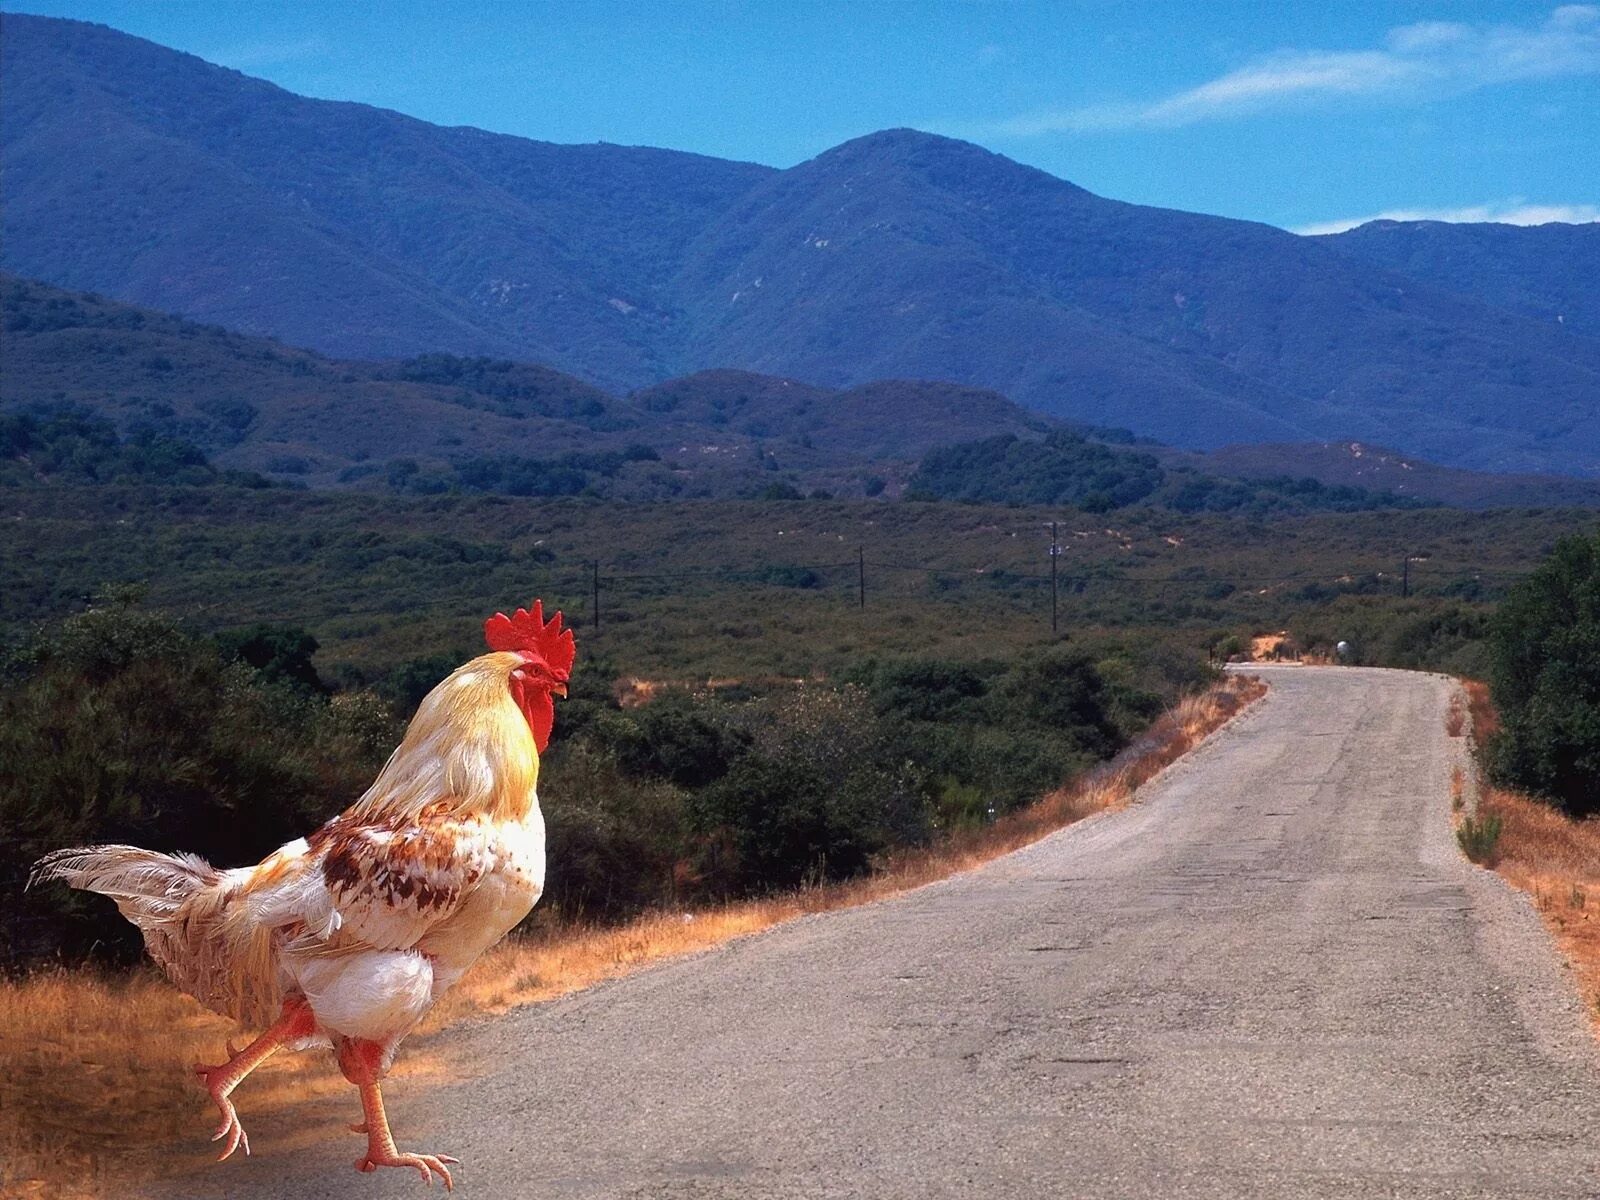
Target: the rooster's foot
(426, 1164)
(219, 1082)
(297, 1021)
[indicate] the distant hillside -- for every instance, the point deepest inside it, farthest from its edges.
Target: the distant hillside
(1356, 464)
(1065, 468)
(1547, 272)
(255, 404)
(192, 400)
(155, 177)
(152, 176)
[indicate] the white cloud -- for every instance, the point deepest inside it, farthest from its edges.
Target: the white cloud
(1428, 58)
(1505, 212)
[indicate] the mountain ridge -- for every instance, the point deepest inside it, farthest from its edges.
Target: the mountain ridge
(154, 177)
(255, 404)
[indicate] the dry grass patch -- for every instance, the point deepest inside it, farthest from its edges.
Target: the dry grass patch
(1485, 719)
(1551, 856)
(1556, 860)
(95, 1083)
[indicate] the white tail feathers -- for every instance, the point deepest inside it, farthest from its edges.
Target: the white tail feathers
(145, 884)
(183, 907)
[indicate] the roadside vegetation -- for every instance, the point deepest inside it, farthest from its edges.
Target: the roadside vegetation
(1537, 730)
(1538, 848)
(119, 725)
(1546, 680)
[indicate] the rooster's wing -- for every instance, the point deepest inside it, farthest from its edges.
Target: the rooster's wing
(386, 885)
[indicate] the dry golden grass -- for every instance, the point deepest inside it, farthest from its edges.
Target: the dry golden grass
(1485, 720)
(95, 1082)
(1556, 860)
(1551, 856)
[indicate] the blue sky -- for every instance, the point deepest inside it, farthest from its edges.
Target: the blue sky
(1302, 115)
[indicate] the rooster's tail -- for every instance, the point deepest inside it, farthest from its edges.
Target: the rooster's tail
(179, 902)
(148, 887)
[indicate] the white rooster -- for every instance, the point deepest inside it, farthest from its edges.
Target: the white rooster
(352, 933)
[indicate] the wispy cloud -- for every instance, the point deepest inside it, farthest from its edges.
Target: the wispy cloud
(1505, 212)
(1425, 59)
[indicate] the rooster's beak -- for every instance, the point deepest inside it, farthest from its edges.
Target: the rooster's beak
(560, 689)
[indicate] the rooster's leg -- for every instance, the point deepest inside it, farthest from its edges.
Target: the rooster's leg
(362, 1062)
(296, 1022)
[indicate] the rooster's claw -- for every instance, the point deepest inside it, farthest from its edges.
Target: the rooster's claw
(219, 1082)
(231, 1126)
(424, 1164)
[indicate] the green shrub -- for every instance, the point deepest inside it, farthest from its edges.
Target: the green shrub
(1061, 692)
(923, 689)
(818, 794)
(280, 653)
(1478, 837)
(116, 726)
(613, 841)
(674, 739)
(1545, 651)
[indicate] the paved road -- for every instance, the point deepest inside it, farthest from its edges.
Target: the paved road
(1273, 977)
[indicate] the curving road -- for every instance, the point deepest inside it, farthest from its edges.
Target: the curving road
(1273, 977)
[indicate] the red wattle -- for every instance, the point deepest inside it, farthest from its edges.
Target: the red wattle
(541, 714)
(537, 708)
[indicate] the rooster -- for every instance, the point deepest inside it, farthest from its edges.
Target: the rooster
(350, 934)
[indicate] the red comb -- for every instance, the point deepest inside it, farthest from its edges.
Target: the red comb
(530, 632)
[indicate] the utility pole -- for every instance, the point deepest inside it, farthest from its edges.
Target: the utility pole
(861, 574)
(1055, 554)
(596, 579)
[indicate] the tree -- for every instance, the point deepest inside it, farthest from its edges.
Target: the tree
(1545, 650)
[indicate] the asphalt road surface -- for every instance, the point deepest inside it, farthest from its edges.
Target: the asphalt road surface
(1272, 977)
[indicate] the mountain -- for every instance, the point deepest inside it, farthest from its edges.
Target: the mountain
(252, 403)
(155, 177)
(151, 176)
(194, 398)
(1547, 272)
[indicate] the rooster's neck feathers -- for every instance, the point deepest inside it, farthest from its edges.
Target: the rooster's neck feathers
(469, 747)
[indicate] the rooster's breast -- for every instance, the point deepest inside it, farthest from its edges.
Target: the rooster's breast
(504, 896)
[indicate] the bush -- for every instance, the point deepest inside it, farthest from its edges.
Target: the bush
(923, 689)
(1064, 694)
(674, 739)
(116, 726)
(281, 654)
(613, 841)
(67, 445)
(816, 797)
(1478, 837)
(1545, 679)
